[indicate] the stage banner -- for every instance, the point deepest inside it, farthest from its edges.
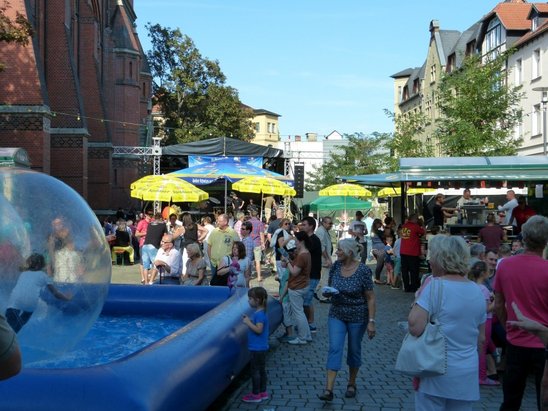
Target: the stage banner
(199, 160)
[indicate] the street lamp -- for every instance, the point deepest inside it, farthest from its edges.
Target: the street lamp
(544, 102)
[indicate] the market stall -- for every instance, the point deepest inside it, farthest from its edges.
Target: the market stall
(507, 172)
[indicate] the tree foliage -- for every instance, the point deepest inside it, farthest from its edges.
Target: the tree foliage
(405, 141)
(479, 110)
(191, 91)
(18, 30)
(362, 155)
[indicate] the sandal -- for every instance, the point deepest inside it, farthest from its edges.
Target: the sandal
(326, 396)
(350, 391)
(378, 282)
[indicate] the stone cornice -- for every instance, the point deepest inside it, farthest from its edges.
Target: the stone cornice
(8, 108)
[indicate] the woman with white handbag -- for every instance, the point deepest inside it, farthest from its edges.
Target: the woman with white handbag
(458, 306)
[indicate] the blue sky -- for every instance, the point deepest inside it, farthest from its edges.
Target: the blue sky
(323, 65)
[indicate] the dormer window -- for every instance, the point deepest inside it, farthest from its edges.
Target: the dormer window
(405, 93)
(415, 86)
(534, 23)
(451, 63)
(494, 37)
(470, 47)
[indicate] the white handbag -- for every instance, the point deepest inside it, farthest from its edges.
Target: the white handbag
(425, 355)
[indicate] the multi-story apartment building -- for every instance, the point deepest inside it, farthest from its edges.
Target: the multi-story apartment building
(512, 23)
(78, 89)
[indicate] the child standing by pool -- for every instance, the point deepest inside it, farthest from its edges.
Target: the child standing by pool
(24, 297)
(257, 343)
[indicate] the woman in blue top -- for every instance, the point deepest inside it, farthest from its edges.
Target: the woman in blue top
(257, 343)
(462, 317)
(352, 313)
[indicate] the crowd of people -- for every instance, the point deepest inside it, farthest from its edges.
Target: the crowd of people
(480, 284)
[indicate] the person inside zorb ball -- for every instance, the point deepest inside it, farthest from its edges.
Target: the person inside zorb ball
(55, 264)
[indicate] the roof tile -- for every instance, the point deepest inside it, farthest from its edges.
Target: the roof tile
(513, 16)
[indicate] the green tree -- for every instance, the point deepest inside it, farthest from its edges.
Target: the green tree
(17, 30)
(479, 110)
(362, 155)
(405, 141)
(191, 91)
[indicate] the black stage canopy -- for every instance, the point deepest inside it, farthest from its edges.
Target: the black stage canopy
(222, 146)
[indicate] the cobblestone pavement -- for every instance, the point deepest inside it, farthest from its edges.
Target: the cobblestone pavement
(297, 373)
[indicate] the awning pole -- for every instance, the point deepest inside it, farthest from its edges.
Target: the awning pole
(403, 202)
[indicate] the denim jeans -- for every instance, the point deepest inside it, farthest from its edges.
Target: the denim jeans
(298, 317)
(337, 333)
(380, 254)
(307, 302)
(148, 254)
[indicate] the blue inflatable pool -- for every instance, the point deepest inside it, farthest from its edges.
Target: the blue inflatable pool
(186, 370)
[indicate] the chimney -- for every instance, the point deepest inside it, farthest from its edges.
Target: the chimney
(434, 26)
(312, 136)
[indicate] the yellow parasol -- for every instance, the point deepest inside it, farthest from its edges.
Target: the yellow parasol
(346, 190)
(396, 191)
(263, 185)
(167, 189)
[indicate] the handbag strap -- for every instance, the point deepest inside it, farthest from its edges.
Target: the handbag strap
(437, 307)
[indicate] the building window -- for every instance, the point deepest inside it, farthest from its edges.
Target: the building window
(415, 86)
(536, 121)
(257, 127)
(405, 94)
(493, 37)
(536, 64)
(518, 131)
(400, 95)
(144, 90)
(518, 72)
(130, 70)
(451, 63)
(534, 23)
(433, 73)
(470, 47)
